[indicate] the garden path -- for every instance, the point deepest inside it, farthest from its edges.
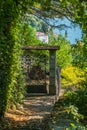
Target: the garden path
(32, 114)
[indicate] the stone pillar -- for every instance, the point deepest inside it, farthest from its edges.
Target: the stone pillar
(52, 83)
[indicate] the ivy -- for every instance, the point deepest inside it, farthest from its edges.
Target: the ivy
(9, 53)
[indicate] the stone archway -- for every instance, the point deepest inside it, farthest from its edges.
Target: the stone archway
(53, 89)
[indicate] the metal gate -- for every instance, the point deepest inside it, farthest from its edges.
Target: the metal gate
(36, 70)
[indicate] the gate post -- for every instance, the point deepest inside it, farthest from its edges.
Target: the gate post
(52, 82)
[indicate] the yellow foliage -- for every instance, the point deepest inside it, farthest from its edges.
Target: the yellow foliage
(72, 76)
(37, 5)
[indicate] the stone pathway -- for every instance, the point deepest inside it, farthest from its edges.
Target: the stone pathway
(37, 108)
(37, 113)
(33, 113)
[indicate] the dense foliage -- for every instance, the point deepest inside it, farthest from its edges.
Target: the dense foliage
(27, 35)
(72, 77)
(10, 14)
(8, 55)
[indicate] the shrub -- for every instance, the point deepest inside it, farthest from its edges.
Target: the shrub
(79, 99)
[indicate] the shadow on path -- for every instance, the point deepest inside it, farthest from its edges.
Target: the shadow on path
(33, 114)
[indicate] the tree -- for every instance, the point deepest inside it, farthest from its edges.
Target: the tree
(27, 35)
(79, 53)
(64, 55)
(38, 24)
(74, 10)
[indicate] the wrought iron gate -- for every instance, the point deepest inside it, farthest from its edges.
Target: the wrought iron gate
(36, 70)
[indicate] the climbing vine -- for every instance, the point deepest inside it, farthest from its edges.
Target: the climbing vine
(9, 52)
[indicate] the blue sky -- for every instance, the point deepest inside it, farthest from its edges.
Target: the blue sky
(73, 33)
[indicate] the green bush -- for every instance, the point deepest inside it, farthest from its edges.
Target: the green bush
(72, 111)
(77, 126)
(78, 99)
